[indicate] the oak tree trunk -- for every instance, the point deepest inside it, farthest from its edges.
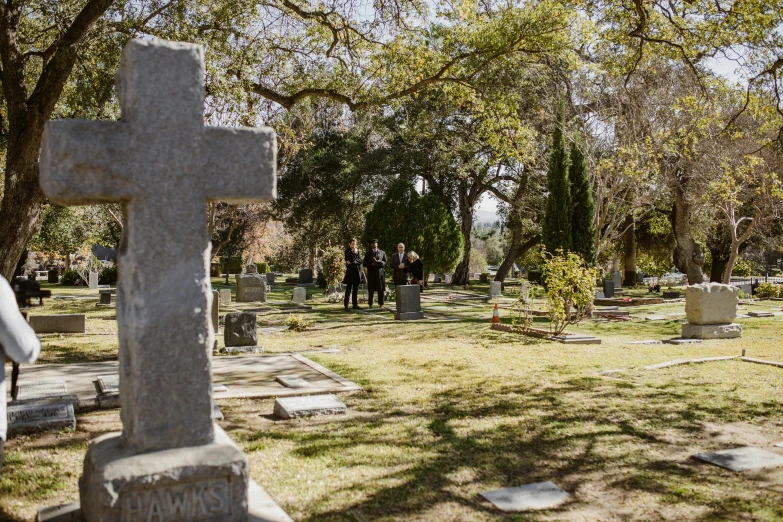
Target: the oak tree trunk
(688, 255)
(629, 243)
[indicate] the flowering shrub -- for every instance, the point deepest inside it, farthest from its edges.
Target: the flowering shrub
(570, 286)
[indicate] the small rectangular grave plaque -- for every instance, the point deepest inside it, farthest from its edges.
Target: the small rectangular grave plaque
(292, 407)
(292, 381)
(35, 416)
(108, 384)
(41, 389)
(680, 340)
(58, 323)
(577, 339)
(761, 314)
(543, 495)
(742, 459)
(647, 341)
(219, 388)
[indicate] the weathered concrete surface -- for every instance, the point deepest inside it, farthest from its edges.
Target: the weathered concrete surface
(711, 331)
(711, 303)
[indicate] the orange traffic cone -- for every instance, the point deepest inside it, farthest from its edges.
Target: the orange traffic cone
(496, 314)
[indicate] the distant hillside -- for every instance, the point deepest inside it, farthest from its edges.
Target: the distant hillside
(485, 216)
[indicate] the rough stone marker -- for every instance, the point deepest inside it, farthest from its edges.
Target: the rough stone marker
(163, 164)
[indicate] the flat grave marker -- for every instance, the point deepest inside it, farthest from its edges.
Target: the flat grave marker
(292, 381)
(647, 341)
(760, 314)
(680, 340)
(577, 339)
(41, 389)
(37, 415)
(58, 323)
(542, 495)
(742, 459)
(293, 407)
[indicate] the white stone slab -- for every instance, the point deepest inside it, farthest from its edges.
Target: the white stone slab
(292, 407)
(742, 459)
(680, 340)
(292, 381)
(577, 339)
(219, 388)
(655, 318)
(300, 295)
(108, 384)
(41, 389)
(761, 314)
(647, 341)
(543, 495)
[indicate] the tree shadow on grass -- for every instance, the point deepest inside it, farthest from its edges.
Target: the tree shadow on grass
(568, 432)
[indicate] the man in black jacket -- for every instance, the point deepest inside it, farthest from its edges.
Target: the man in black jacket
(401, 264)
(374, 262)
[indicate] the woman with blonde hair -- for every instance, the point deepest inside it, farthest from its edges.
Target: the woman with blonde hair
(416, 269)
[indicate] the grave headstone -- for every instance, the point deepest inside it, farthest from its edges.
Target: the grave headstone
(104, 298)
(292, 381)
(251, 286)
(437, 278)
(164, 164)
(215, 310)
(41, 389)
(742, 459)
(760, 314)
(293, 407)
(53, 276)
(543, 495)
(448, 279)
(38, 415)
(270, 278)
(617, 279)
(608, 288)
(495, 288)
(305, 276)
(524, 291)
(747, 290)
(300, 295)
(240, 329)
(225, 296)
(58, 323)
(408, 303)
(710, 310)
(93, 280)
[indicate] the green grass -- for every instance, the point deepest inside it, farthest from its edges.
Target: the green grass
(451, 409)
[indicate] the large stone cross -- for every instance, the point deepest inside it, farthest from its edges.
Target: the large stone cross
(163, 164)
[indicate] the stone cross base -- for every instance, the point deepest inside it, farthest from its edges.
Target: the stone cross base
(711, 331)
(204, 483)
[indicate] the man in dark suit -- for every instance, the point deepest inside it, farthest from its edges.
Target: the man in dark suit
(401, 264)
(374, 262)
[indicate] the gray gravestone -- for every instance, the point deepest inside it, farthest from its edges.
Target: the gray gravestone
(495, 288)
(164, 165)
(93, 280)
(251, 286)
(37, 415)
(104, 298)
(761, 314)
(41, 389)
(293, 407)
(240, 329)
(741, 459)
(53, 277)
(225, 296)
(305, 276)
(270, 278)
(617, 279)
(300, 295)
(408, 303)
(608, 288)
(58, 323)
(292, 381)
(215, 310)
(543, 495)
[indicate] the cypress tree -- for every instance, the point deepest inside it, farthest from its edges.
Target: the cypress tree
(556, 228)
(582, 220)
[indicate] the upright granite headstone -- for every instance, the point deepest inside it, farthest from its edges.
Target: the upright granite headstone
(495, 288)
(53, 276)
(300, 295)
(710, 309)
(93, 280)
(617, 279)
(240, 329)
(608, 288)
(225, 296)
(305, 276)
(408, 303)
(251, 286)
(163, 164)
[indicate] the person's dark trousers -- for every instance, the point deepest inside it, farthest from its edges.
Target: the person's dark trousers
(380, 296)
(352, 290)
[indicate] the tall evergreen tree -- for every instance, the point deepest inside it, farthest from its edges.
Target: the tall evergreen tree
(583, 209)
(556, 228)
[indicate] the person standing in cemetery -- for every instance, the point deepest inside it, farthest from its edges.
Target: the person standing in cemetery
(18, 343)
(401, 264)
(416, 269)
(353, 273)
(374, 262)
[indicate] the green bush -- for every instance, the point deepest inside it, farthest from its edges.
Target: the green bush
(237, 267)
(767, 290)
(108, 276)
(214, 270)
(263, 268)
(297, 323)
(570, 289)
(70, 278)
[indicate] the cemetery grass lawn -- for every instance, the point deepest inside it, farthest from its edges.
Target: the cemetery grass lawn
(452, 408)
